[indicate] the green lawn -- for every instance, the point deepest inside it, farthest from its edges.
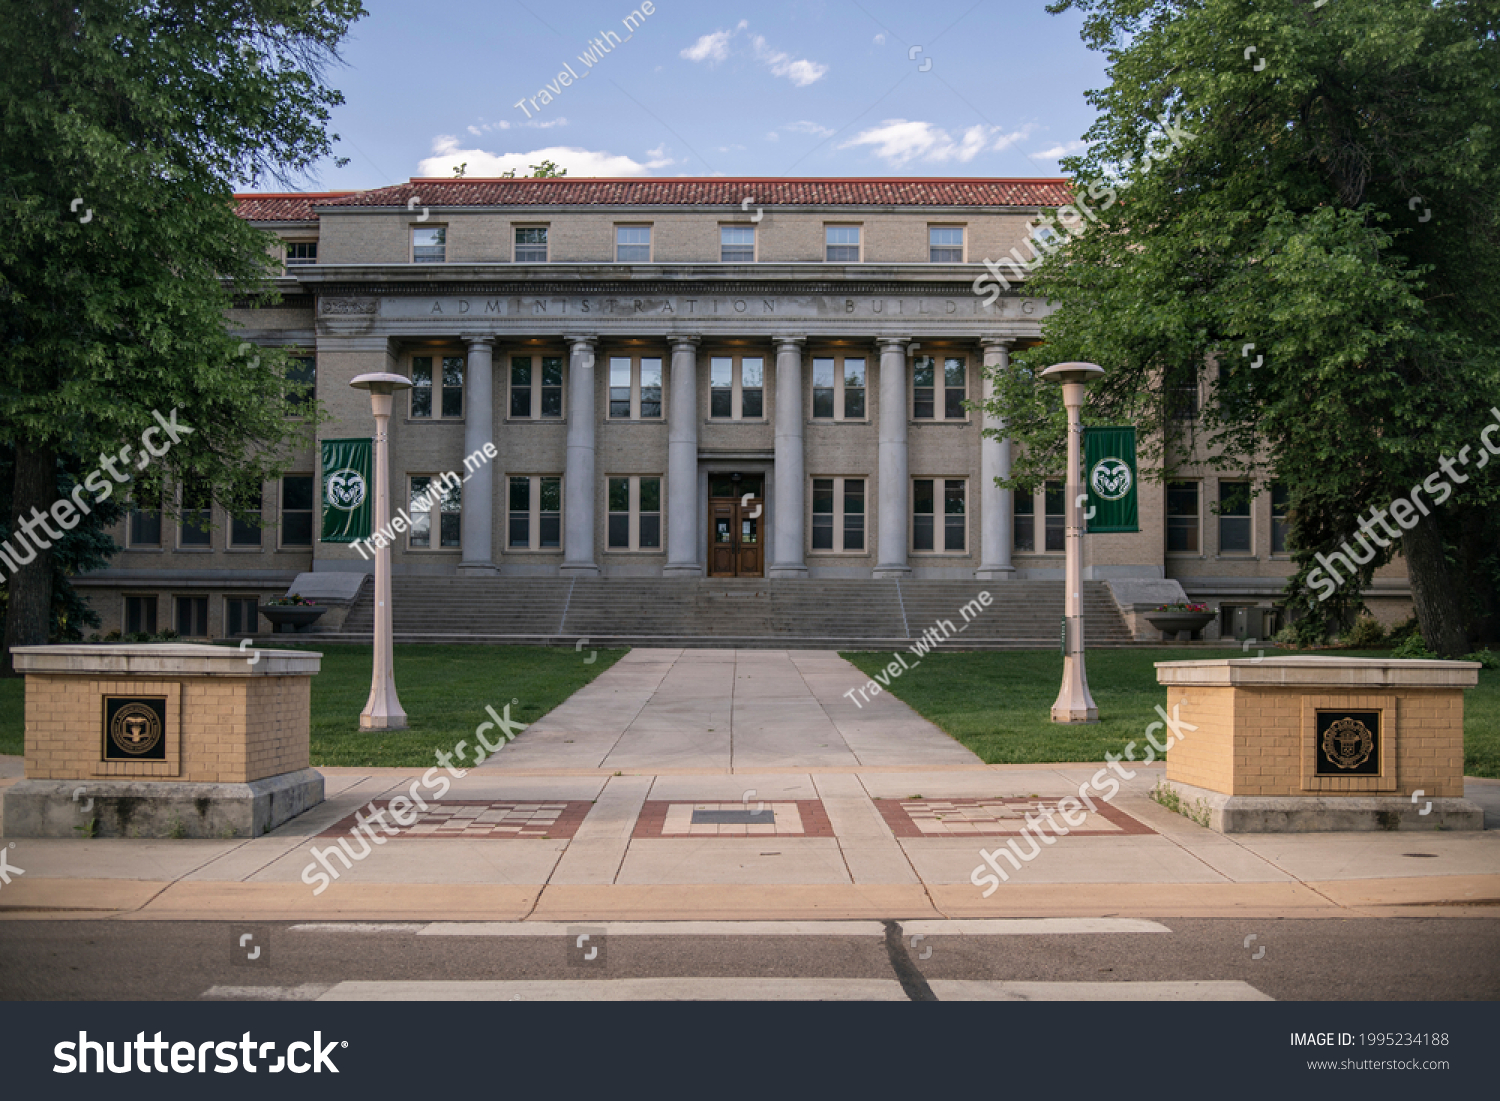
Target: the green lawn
(444, 690)
(997, 702)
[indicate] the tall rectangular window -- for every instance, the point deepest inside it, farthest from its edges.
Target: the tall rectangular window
(429, 244)
(939, 519)
(841, 244)
(197, 516)
(246, 533)
(939, 388)
(736, 387)
(838, 514)
(1234, 518)
(302, 383)
(1182, 516)
(1023, 518)
(192, 616)
(297, 510)
(536, 386)
(301, 252)
(634, 512)
(1055, 515)
(633, 244)
(241, 616)
(635, 384)
(1281, 526)
(443, 374)
(945, 244)
(839, 385)
(1183, 395)
(737, 244)
(145, 521)
(721, 387)
(140, 614)
(535, 512)
(531, 244)
(434, 507)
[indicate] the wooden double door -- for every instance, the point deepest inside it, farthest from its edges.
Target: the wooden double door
(736, 526)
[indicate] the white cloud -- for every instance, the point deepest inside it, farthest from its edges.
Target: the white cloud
(447, 155)
(715, 47)
(1067, 148)
(805, 127)
(506, 124)
(880, 40)
(898, 142)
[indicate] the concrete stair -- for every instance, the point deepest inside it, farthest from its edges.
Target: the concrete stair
(719, 612)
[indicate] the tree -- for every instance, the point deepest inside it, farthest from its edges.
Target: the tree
(547, 170)
(125, 125)
(1321, 182)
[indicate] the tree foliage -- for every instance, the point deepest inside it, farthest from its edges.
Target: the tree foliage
(1332, 196)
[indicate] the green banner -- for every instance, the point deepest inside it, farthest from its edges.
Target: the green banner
(348, 490)
(1109, 468)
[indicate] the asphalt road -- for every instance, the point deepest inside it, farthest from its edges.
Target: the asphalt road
(1416, 959)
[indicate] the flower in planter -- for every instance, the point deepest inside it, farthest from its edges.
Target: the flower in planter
(291, 600)
(1180, 606)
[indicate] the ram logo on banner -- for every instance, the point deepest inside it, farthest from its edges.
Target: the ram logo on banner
(348, 484)
(1109, 460)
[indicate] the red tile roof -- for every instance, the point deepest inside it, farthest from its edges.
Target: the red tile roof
(716, 191)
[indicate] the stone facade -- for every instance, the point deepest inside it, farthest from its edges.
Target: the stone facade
(674, 316)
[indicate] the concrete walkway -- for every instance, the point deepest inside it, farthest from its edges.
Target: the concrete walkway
(732, 710)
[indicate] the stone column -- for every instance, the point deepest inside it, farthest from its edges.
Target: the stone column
(683, 531)
(578, 477)
(787, 559)
(895, 492)
(995, 504)
(477, 519)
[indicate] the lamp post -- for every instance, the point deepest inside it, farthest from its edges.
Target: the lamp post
(382, 710)
(1074, 703)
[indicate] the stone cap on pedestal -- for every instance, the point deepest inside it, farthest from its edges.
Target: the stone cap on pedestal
(168, 658)
(1319, 672)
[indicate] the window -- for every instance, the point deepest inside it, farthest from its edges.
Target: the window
(192, 616)
(633, 244)
(241, 617)
(536, 386)
(145, 522)
(531, 244)
(429, 244)
(635, 387)
(842, 244)
(1182, 516)
(1055, 515)
(838, 514)
(434, 505)
(140, 614)
(945, 244)
(197, 516)
(1234, 518)
(297, 510)
(302, 375)
(927, 533)
(839, 388)
(301, 252)
(1023, 516)
(450, 400)
(246, 533)
(737, 244)
(535, 512)
(1281, 524)
(1183, 397)
(927, 402)
(736, 387)
(634, 513)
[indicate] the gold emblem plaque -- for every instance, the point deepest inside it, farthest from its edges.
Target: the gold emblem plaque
(1348, 743)
(135, 728)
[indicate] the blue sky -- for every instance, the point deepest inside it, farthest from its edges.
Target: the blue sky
(724, 87)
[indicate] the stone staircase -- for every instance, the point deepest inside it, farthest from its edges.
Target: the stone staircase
(745, 613)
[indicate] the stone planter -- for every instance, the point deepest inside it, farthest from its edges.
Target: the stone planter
(1181, 625)
(292, 617)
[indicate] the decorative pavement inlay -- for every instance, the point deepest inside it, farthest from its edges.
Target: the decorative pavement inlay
(487, 819)
(785, 818)
(1001, 816)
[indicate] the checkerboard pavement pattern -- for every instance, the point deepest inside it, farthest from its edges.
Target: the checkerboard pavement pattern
(785, 818)
(1000, 816)
(557, 819)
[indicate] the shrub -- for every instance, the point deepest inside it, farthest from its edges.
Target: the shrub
(1366, 634)
(1414, 647)
(1404, 630)
(1488, 658)
(1286, 639)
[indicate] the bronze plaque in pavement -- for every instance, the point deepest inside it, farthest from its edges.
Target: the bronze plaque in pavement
(135, 728)
(1348, 743)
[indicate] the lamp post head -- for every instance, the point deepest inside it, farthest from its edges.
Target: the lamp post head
(380, 383)
(1084, 373)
